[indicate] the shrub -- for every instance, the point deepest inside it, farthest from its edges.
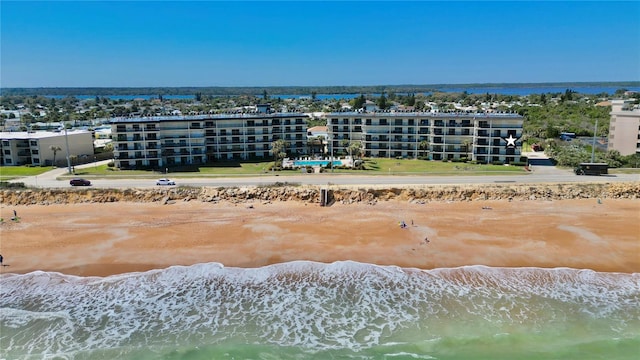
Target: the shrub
(8, 185)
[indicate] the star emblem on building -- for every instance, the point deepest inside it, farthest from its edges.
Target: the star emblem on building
(511, 141)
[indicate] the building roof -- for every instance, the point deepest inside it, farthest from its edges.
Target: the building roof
(317, 129)
(226, 116)
(23, 135)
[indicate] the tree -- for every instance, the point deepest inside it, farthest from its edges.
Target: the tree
(55, 150)
(467, 147)
(424, 145)
(382, 102)
(358, 103)
(355, 148)
(278, 150)
(321, 140)
(73, 159)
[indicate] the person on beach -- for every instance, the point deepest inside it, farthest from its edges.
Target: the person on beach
(0, 260)
(15, 214)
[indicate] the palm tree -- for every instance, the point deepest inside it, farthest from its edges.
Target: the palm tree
(467, 146)
(424, 145)
(321, 139)
(278, 149)
(55, 150)
(73, 159)
(355, 148)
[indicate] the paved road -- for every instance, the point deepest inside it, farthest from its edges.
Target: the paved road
(540, 174)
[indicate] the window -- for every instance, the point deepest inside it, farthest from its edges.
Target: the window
(34, 152)
(33, 143)
(7, 152)
(8, 161)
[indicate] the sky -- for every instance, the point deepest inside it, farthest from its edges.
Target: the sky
(312, 43)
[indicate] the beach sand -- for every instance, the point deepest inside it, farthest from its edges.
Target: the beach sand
(114, 238)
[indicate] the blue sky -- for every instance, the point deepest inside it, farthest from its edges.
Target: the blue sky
(306, 43)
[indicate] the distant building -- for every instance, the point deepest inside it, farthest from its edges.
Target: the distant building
(318, 139)
(317, 131)
(157, 142)
(483, 137)
(34, 148)
(624, 127)
(369, 106)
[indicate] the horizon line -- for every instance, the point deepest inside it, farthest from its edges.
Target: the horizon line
(489, 84)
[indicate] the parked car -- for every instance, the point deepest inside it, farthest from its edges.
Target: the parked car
(165, 182)
(79, 182)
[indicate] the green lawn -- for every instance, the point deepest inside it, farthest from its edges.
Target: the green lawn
(220, 169)
(372, 166)
(413, 166)
(12, 172)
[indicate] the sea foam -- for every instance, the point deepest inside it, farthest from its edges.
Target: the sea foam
(309, 305)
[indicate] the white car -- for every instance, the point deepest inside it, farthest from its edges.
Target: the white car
(165, 182)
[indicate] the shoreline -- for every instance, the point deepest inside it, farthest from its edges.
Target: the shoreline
(102, 239)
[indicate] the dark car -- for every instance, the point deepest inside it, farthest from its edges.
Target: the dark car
(79, 182)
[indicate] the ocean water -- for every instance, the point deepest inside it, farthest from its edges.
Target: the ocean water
(309, 310)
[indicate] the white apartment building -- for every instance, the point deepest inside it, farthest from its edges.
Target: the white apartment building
(35, 148)
(482, 137)
(624, 128)
(157, 142)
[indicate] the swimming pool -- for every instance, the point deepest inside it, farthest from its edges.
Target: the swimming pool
(316, 162)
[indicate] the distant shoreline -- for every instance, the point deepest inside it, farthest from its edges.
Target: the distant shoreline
(294, 90)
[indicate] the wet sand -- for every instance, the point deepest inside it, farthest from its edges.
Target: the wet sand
(105, 239)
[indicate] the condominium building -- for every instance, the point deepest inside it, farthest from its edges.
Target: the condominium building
(624, 128)
(162, 141)
(483, 137)
(37, 148)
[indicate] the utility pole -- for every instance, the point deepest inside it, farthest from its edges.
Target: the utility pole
(66, 140)
(593, 148)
